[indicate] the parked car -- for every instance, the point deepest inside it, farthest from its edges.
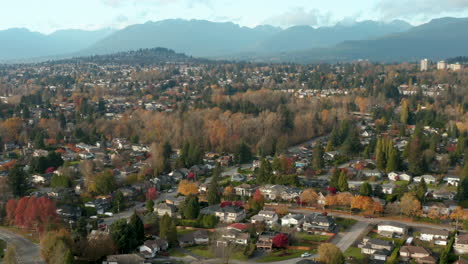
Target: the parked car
(306, 255)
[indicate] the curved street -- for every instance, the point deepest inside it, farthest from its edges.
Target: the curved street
(27, 252)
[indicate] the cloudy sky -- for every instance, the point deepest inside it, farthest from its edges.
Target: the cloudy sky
(48, 15)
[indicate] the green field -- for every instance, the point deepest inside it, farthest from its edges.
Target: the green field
(282, 255)
(345, 223)
(175, 252)
(355, 253)
(203, 251)
(3, 246)
(311, 238)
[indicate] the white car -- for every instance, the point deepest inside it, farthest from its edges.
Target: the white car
(306, 255)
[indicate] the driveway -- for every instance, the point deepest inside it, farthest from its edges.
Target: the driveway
(27, 252)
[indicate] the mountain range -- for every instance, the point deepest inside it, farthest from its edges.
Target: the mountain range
(392, 41)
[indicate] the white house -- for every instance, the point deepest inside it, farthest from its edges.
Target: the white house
(268, 217)
(399, 176)
(427, 179)
(292, 220)
(452, 180)
(38, 179)
(151, 247)
(392, 228)
(438, 237)
(388, 188)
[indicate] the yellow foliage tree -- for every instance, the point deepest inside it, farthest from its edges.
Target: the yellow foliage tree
(187, 187)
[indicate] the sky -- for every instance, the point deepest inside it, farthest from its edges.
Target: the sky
(46, 16)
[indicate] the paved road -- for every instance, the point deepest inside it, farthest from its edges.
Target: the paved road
(27, 252)
(138, 206)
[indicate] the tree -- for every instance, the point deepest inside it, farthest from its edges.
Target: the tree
(318, 162)
(187, 187)
(151, 194)
(343, 182)
(410, 205)
(229, 193)
(98, 246)
(330, 254)
(462, 194)
(365, 189)
(421, 189)
(404, 112)
(458, 214)
(380, 158)
(393, 160)
(243, 154)
(124, 237)
(191, 207)
(415, 158)
(308, 196)
(168, 230)
(264, 173)
(56, 247)
(280, 240)
(10, 255)
(60, 181)
(105, 182)
(213, 196)
(136, 225)
(149, 205)
(335, 178)
(18, 180)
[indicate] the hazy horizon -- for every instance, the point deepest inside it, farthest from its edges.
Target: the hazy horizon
(51, 15)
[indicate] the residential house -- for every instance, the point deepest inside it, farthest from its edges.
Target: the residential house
(150, 248)
(388, 188)
(292, 220)
(461, 244)
(124, 259)
(438, 237)
(429, 179)
(238, 177)
(452, 180)
(372, 173)
(436, 207)
(272, 192)
(418, 254)
(232, 236)
(391, 229)
(318, 222)
(165, 208)
(270, 218)
(245, 190)
(377, 249)
(265, 241)
(291, 194)
(227, 214)
(330, 155)
(399, 176)
(201, 237)
(443, 194)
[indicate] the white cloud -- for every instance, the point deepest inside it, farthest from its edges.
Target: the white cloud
(299, 16)
(391, 9)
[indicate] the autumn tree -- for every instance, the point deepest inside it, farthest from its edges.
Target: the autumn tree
(97, 246)
(187, 187)
(151, 194)
(280, 240)
(105, 182)
(410, 205)
(404, 114)
(56, 247)
(329, 253)
(308, 196)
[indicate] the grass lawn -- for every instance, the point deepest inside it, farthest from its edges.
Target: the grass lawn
(175, 252)
(377, 236)
(345, 223)
(3, 246)
(355, 253)
(314, 238)
(185, 231)
(282, 255)
(239, 255)
(203, 251)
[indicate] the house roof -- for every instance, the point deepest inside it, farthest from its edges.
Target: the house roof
(414, 250)
(435, 232)
(238, 226)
